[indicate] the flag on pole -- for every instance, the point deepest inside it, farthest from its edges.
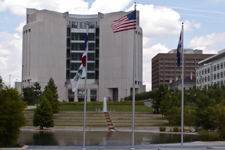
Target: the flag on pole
(126, 22)
(179, 48)
(81, 73)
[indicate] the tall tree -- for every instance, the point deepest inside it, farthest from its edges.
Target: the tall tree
(53, 87)
(29, 95)
(11, 115)
(53, 102)
(37, 91)
(43, 115)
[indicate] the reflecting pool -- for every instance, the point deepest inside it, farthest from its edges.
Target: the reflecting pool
(67, 138)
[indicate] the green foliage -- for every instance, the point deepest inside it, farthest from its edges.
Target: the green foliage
(101, 103)
(53, 102)
(162, 129)
(43, 115)
(175, 129)
(220, 121)
(189, 116)
(208, 136)
(29, 95)
(53, 87)
(159, 96)
(37, 91)
(11, 115)
(173, 115)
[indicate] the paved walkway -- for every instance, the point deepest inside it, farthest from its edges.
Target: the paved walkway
(174, 146)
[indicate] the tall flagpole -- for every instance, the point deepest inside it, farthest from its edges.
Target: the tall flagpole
(182, 94)
(133, 92)
(85, 97)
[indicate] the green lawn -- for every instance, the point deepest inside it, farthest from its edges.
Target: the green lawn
(139, 108)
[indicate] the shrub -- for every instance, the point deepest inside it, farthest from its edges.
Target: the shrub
(175, 129)
(208, 135)
(162, 129)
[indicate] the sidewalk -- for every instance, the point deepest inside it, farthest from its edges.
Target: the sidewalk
(174, 146)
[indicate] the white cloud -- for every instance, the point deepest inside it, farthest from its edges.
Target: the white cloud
(20, 26)
(210, 43)
(148, 54)
(160, 21)
(10, 56)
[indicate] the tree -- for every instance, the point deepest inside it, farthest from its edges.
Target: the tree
(53, 87)
(37, 91)
(53, 102)
(188, 116)
(220, 121)
(29, 95)
(43, 115)
(11, 115)
(158, 96)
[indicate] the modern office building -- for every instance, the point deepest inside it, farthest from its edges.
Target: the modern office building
(212, 71)
(166, 71)
(53, 44)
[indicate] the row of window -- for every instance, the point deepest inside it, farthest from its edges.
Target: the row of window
(82, 25)
(219, 66)
(207, 78)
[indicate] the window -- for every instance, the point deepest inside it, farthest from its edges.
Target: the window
(202, 72)
(197, 74)
(205, 71)
(197, 81)
(218, 67)
(83, 25)
(91, 25)
(74, 24)
(221, 74)
(91, 56)
(208, 78)
(218, 75)
(90, 75)
(205, 79)
(76, 56)
(75, 66)
(208, 70)
(90, 66)
(214, 76)
(215, 68)
(221, 82)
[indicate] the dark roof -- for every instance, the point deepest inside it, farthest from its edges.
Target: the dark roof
(185, 80)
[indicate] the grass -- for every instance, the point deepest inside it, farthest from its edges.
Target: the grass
(138, 108)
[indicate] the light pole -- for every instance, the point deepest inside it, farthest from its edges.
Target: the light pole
(9, 80)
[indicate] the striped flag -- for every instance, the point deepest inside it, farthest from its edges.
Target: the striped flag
(127, 22)
(179, 49)
(81, 73)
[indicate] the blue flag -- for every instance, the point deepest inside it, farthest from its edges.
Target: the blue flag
(179, 49)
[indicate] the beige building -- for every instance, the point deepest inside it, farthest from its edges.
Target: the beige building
(53, 46)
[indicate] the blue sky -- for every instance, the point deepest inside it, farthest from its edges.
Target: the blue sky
(160, 20)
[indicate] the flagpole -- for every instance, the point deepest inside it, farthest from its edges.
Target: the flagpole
(182, 94)
(133, 92)
(85, 97)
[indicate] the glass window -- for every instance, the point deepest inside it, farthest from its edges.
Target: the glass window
(221, 74)
(91, 25)
(90, 66)
(215, 68)
(208, 78)
(214, 76)
(221, 66)
(83, 25)
(197, 74)
(205, 79)
(202, 72)
(74, 24)
(90, 75)
(91, 56)
(75, 66)
(208, 70)
(205, 71)
(218, 66)
(76, 56)
(218, 75)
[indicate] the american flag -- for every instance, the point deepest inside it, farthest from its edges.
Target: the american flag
(127, 22)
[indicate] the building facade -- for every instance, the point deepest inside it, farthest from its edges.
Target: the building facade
(212, 72)
(165, 69)
(53, 44)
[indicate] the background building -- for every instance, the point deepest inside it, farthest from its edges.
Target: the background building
(165, 70)
(213, 71)
(53, 44)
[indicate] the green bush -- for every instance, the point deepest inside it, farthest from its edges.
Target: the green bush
(162, 129)
(175, 129)
(101, 103)
(208, 135)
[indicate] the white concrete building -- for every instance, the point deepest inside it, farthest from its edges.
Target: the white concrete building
(53, 46)
(212, 73)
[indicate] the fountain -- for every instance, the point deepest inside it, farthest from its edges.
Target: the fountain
(104, 105)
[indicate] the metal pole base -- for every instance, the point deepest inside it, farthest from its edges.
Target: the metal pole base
(132, 148)
(83, 149)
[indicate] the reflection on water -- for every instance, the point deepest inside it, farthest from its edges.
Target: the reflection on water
(98, 138)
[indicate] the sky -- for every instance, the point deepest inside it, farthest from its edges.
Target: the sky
(160, 20)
